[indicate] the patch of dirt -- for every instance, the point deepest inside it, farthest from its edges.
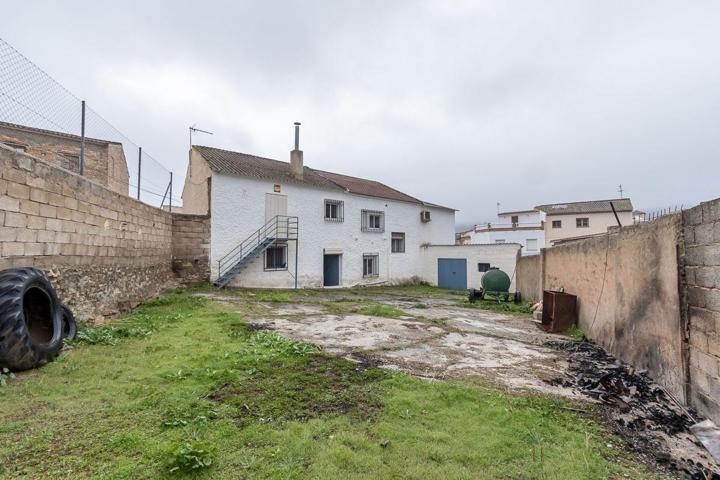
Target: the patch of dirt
(304, 388)
(637, 409)
(345, 334)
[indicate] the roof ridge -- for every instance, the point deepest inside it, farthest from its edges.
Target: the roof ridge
(320, 172)
(583, 201)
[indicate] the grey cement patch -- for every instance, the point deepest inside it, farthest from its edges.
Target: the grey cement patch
(295, 309)
(340, 334)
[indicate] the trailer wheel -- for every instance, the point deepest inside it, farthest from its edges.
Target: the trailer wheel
(30, 319)
(69, 327)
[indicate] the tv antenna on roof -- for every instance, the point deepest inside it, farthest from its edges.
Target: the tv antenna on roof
(194, 129)
(620, 189)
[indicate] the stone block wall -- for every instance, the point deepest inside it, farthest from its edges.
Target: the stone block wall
(702, 277)
(191, 247)
(104, 251)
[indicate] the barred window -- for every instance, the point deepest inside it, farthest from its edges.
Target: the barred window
(334, 210)
(276, 258)
(372, 221)
(397, 242)
(371, 266)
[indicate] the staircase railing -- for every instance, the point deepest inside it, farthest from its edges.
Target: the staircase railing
(278, 228)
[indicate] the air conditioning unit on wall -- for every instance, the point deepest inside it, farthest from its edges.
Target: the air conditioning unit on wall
(425, 216)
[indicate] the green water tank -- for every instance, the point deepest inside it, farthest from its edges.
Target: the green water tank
(495, 281)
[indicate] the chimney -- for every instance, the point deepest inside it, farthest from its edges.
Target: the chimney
(296, 156)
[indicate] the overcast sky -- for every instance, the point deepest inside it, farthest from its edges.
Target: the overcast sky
(463, 103)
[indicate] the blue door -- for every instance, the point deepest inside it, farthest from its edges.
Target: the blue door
(331, 270)
(452, 273)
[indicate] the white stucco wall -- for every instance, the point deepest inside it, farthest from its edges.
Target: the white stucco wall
(238, 209)
(533, 217)
(510, 236)
(502, 255)
(599, 223)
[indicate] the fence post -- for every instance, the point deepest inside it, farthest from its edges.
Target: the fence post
(82, 137)
(170, 192)
(139, 168)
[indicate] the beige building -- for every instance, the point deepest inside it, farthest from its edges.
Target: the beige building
(583, 219)
(104, 160)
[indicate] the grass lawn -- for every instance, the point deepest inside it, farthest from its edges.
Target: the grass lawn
(183, 388)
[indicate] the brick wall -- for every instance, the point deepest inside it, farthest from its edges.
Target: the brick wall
(702, 276)
(191, 247)
(104, 161)
(104, 251)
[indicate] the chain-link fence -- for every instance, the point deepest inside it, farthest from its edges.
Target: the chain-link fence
(35, 107)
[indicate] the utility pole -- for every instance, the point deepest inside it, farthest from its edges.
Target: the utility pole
(139, 168)
(82, 137)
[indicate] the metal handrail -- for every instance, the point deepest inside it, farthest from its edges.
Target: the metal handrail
(279, 224)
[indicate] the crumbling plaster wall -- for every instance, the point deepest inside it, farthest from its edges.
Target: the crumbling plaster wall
(528, 277)
(626, 282)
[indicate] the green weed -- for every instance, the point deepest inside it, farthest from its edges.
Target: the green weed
(575, 332)
(189, 457)
(381, 310)
(5, 375)
(501, 307)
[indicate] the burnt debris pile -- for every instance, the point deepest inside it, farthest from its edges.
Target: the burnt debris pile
(635, 407)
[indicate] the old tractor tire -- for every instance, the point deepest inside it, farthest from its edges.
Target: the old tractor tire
(30, 319)
(69, 327)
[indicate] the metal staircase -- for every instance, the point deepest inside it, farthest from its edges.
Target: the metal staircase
(280, 228)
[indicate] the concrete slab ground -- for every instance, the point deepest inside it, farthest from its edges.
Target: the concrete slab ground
(434, 337)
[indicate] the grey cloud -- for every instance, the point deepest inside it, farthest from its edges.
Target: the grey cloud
(461, 103)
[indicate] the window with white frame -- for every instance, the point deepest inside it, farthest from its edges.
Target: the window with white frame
(334, 210)
(582, 222)
(397, 242)
(372, 221)
(276, 258)
(371, 265)
(531, 244)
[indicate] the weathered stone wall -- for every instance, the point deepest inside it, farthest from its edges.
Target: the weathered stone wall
(529, 277)
(103, 250)
(191, 247)
(104, 161)
(702, 276)
(628, 300)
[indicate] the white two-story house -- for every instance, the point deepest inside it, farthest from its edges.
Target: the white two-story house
(571, 220)
(281, 224)
(526, 227)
